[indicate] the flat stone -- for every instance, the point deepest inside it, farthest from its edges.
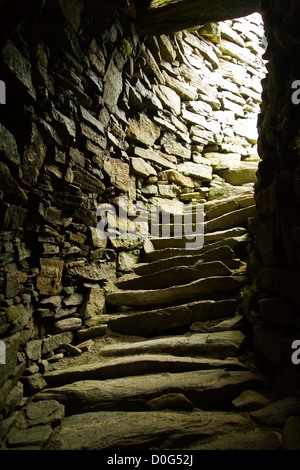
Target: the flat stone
(243, 174)
(250, 400)
(143, 130)
(217, 345)
(118, 173)
(37, 435)
(44, 412)
(276, 413)
(19, 66)
(95, 271)
(168, 97)
(196, 170)
(176, 294)
(49, 279)
(253, 440)
(171, 401)
(179, 259)
(176, 276)
(8, 145)
(141, 168)
(126, 430)
(171, 317)
(235, 218)
(156, 157)
(205, 389)
(140, 364)
(67, 324)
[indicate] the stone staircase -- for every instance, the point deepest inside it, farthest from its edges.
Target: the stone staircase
(177, 373)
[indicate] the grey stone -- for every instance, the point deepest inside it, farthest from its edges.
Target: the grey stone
(140, 364)
(217, 345)
(176, 294)
(44, 412)
(37, 435)
(276, 413)
(67, 324)
(171, 401)
(204, 388)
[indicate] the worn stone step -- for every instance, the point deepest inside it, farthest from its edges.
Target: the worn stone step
(241, 440)
(175, 295)
(217, 208)
(176, 276)
(121, 431)
(232, 219)
(206, 389)
(184, 241)
(137, 365)
(132, 323)
(218, 345)
(156, 255)
(223, 254)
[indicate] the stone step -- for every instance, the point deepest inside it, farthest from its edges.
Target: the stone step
(196, 290)
(232, 219)
(218, 345)
(137, 365)
(184, 241)
(178, 275)
(125, 431)
(232, 242)
(224, 253)
(206, 389)
(141, 323)
(217, 208)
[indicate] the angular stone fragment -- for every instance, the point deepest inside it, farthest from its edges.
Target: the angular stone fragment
(196, 170)
(95, 271)
(8, 145)
(141, 167)
(49, 279)
(242, 174)
(34, 156)
(118, 173)
(19, 66)
(143, 130)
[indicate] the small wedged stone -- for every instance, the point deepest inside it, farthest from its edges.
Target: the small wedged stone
(171, 401)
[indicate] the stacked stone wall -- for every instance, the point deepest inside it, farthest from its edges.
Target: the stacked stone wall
(91, 116)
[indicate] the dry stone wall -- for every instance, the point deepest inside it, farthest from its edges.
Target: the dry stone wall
(273, 303)
(91, 116)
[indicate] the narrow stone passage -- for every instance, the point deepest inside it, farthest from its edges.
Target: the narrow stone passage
(178, 373)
